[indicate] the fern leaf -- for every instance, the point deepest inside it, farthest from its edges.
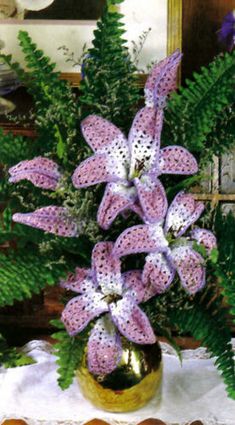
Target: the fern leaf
(225, 267)
(11, 356)
(14, 148)
(206, 321)
(109, 87)
(22, 275)
(193, 112)
(70, 351)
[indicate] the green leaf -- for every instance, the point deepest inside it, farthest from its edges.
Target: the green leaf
(70, 351)
(22, 275)
(214, 255)
(205, 319)
(12, 357)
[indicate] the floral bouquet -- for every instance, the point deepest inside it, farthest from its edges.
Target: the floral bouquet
(131, 167)
(138, 265)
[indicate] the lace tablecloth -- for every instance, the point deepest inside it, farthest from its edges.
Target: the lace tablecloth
(193, 391)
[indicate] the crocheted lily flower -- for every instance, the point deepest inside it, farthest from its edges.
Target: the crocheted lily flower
(103, 290)
(51, 219)
(167, 251)
(40, 171)
(131, 167)
(43, 173)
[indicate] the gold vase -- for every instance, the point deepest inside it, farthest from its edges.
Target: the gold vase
(136, 380)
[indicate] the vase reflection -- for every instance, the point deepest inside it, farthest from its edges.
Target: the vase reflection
(135, 381)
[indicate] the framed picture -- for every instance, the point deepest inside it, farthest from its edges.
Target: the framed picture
(72, 22)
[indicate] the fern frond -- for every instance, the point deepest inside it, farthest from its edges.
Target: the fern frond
(14, 149)
(25, 274)
(11, 356)
(205, 319)
(109, 87)
(70, 351)
(56, 111)
(225, 271)
(193, 112)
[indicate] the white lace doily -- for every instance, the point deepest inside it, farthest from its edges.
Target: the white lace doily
(193, 391)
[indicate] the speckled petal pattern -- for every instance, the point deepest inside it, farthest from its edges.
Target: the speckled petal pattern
(166, 81)
(143, 144)
(81, 310)
(190, 266)
(100, 133)
(51, 219)
(117, 198)
(99, 168)
(162, 78)
(177, 160)
(132, 322)
(204, 237)
(81, 281)
(182, 213)
(140, 238)
(107, 268)
(158, 274)
(42, 172)
(132, 282)
(152, 198)
(134, 240)
(104, 347)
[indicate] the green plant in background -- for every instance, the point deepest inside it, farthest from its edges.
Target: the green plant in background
(199, 117)
(113, 93)
(194, 113)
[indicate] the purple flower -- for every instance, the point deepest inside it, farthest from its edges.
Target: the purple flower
(227, 31)
(43, 173)
(131, 167)
(40, 171)
(103, 290)
(51, 219)
(167, 251)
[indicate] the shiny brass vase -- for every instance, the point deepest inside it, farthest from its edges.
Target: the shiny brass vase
(136, 380)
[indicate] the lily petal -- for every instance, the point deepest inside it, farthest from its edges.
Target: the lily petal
(104, 347)
(177, 160)
(117, 198)
(140, 238)
(182, 213)
(132, 322)
(143, 144)
(204, 237)
(42, 172)
(51, 219)
(132, 282)
(81, 281)
(101, 134)
(152, 198)
(107, 268)
(81, 310)
(190, 266)
(158, 274)
(162, 80)
(99, 168)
